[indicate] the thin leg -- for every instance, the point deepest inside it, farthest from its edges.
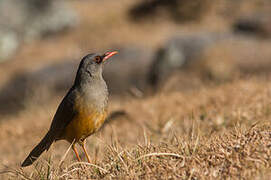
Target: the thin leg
(85, 151)
(76, 153)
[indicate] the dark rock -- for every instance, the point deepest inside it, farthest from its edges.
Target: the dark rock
(179, 52)
(126, 70)
(256, 24)
(231, 58)
(179, 10)
(35, 86)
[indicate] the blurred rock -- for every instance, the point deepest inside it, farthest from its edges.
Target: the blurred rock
(129, 70)
(179, 10)
(31, 19)
(35, 86)
(238, 56)
(228, 59)
(180, 51)
(9, 43)
(256, 24)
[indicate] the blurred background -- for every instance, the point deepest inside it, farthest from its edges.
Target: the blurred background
(164, 46)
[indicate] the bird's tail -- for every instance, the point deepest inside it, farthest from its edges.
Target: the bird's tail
(44, 144)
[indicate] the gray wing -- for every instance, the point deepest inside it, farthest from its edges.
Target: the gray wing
(64, 115)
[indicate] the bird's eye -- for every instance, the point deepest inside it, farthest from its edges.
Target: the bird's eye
(98, 59)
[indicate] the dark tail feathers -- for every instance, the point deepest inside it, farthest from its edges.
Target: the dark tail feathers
(44, 144)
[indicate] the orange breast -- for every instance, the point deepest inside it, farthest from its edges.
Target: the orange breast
(88, 121)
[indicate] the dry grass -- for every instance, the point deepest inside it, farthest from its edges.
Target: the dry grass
(217, 131)
(213, 133)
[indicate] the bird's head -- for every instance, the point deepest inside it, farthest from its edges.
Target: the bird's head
(92, 65)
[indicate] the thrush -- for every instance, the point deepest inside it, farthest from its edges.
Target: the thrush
(82, 111)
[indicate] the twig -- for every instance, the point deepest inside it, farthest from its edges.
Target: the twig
(64, 156)
(89, 164)
(159, 154)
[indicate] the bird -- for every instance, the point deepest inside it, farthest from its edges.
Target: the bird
(82, 111)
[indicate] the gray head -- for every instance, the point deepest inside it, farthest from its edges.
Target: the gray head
(91, 66)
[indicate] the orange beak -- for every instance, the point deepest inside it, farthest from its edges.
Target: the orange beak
(107, 55)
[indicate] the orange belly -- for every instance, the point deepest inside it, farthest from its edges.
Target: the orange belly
(84, 124)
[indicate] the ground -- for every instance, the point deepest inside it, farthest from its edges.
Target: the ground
(214, 131)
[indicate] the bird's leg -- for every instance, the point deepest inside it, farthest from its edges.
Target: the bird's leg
(75, 151)
(85, 151)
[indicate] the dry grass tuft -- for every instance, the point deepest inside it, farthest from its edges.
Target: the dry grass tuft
(211, 131)
(216, 132)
